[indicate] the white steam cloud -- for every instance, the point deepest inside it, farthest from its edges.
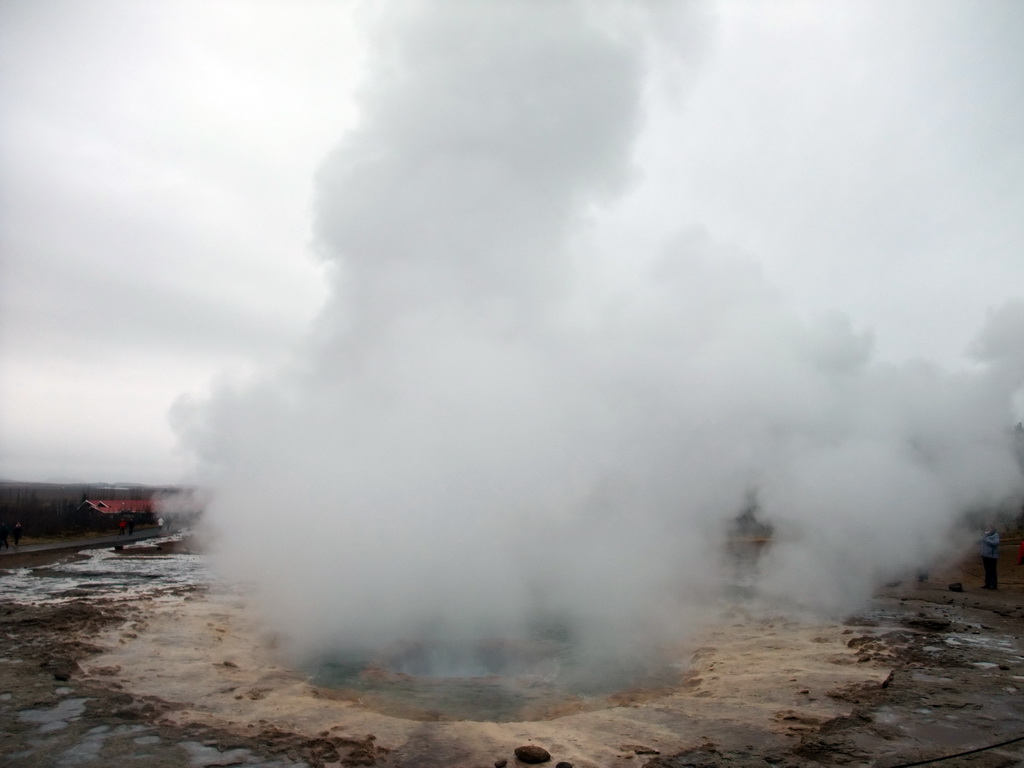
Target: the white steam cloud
(500, 416)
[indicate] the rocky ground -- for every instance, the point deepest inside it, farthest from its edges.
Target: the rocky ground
(923, 673)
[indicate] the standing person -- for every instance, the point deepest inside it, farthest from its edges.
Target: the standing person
(17, 534)
(3, 536)
(121, 526)
(990, 556)
(131, 525)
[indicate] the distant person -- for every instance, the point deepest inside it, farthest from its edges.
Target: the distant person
(3, 536)
(121, 527)
(990, 555)
(17, 534)
(131, 525)
(160, 522)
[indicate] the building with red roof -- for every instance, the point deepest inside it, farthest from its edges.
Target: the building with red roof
(103, 513)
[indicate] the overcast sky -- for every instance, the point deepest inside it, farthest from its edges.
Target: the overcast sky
(157, 189)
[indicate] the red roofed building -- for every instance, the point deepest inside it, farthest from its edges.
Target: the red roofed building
(119, 506)
(107, 512)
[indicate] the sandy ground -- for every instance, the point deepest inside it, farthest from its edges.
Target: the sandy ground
(192, 680)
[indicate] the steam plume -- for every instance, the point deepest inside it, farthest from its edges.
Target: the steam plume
(497, 416)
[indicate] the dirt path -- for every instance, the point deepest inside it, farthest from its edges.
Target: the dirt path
(18, 557)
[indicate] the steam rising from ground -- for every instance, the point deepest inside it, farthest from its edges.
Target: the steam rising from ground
(499, 417)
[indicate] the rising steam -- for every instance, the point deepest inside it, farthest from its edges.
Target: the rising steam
(499, 416)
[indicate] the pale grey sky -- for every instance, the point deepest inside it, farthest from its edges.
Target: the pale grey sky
(158, 165)
(157, 175)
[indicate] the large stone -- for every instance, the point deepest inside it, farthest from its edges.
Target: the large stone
(532, 754)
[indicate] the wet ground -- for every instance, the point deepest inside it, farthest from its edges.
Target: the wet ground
(130, 659)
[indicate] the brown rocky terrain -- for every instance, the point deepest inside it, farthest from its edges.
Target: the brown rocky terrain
(923, 673)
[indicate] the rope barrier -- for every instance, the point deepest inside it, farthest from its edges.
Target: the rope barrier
(959, 754)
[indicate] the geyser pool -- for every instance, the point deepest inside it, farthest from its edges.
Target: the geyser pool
(496, 680)
(547, 672)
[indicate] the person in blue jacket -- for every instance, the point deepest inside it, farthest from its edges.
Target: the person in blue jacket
(990, 555)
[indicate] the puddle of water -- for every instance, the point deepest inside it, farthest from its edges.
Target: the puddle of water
(56, 718)
(88, 749)
(886, 716)
(104, 574)
(202, 756)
